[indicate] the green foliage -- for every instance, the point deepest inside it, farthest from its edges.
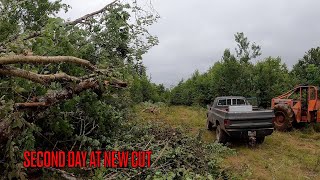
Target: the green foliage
(13, 149)
(142, 89)
(26, 15)
(271, 78)
(307, 69)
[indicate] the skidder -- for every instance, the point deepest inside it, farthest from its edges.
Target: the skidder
(300, 105)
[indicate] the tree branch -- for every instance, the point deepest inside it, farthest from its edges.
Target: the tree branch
(85, 17)
(46, 60)
(38, 78)
(14, 38)
(32, 35)
(53, 97)
(116, 83)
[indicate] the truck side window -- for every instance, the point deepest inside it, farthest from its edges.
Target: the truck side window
(222, 102)
(228, 102)
(234, 101)
(241, 102)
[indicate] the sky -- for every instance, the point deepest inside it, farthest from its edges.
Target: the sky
(193, 34)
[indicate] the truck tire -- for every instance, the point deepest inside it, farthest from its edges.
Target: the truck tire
(260, 140)
(209, 125)
(221, 136)
(284, 117)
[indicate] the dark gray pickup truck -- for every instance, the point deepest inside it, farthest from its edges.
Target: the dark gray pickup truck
(234, 117)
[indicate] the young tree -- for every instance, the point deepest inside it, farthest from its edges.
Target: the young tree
(246, 50)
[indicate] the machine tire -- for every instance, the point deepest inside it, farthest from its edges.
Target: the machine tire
(221, 136)
(209, 125)
(260, 140)
(284, 117)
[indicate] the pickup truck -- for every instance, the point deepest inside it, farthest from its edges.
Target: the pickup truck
(234, 117)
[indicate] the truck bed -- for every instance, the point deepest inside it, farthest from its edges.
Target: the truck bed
(250, 119)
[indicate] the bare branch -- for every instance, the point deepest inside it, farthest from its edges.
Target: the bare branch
(53, 97)
(85, 17)
(116, 83)
(38, 78)
(46, 60)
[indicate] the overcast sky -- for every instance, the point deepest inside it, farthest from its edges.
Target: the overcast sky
(193, 34)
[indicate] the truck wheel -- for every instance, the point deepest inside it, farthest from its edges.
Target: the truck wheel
(260, 140)
(209, 125)
(221, 136)
(283, 117)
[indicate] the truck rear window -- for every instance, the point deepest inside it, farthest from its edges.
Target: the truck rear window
(222, 102)
(234, 101)
(228, 102)
(231, 102)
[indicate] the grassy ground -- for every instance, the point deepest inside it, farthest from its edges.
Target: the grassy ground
(291, 155)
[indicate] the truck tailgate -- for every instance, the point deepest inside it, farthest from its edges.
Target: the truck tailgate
(249, 120)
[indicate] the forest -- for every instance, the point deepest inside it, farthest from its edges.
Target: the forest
(72, 85)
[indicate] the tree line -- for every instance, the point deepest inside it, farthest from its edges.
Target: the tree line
(236, 74)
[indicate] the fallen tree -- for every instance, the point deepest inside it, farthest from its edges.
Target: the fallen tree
(71, 85)
(60, 80)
